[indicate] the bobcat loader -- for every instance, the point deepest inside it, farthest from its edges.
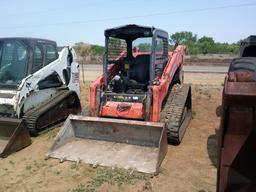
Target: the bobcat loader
(39, 87)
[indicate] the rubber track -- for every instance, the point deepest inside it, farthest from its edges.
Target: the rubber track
(172, 112)
(32, 115)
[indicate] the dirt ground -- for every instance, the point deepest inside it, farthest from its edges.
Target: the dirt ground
(191, 166)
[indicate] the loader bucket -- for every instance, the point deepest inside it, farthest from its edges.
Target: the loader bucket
(128, 144)
(13, 136)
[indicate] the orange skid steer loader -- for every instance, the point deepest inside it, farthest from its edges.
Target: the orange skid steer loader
(138, 104)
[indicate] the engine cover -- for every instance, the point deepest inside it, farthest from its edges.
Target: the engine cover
(123, 110)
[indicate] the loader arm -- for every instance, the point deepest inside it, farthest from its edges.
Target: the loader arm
(61, 66)
(174, 66)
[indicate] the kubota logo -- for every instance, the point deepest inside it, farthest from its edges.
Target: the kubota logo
(123, 107)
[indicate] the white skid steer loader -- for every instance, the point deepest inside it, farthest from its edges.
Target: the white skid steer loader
(39, 87)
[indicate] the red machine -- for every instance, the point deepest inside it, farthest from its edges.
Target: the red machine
(138, 83)
(138, 102)
(237, 139)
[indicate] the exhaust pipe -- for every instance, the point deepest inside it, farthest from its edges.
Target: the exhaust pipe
(127, 144)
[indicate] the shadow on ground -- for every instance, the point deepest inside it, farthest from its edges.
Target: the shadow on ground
(212, 145)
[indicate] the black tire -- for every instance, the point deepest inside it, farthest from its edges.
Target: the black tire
(243, 64)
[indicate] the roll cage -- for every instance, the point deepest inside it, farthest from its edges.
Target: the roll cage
(129, 33)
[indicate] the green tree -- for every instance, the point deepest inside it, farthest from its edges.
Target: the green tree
(144, 47)
(206, 39)
(183, 37)
(202, 45)
(187, 38)
(206, 45)
(97, 50)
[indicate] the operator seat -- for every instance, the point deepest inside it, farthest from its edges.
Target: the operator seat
(140, 69)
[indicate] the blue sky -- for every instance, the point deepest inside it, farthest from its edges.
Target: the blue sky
(68, 22)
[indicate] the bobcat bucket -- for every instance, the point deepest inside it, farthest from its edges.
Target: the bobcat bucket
(14, 136)
(127, 144)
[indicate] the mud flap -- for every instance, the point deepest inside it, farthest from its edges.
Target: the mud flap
(127, 144)
(14, 136)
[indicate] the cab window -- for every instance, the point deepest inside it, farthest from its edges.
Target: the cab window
(38, 58)
(51, 54)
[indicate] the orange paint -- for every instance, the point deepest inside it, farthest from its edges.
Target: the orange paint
(123, 110)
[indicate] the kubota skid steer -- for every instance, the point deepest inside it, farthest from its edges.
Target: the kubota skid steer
(138, 103)
(39, 87)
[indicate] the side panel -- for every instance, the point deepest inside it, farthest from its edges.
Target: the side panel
(36, 98)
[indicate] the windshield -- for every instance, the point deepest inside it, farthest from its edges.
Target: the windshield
(13, 59)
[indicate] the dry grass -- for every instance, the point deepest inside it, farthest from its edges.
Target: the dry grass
(84, 94)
